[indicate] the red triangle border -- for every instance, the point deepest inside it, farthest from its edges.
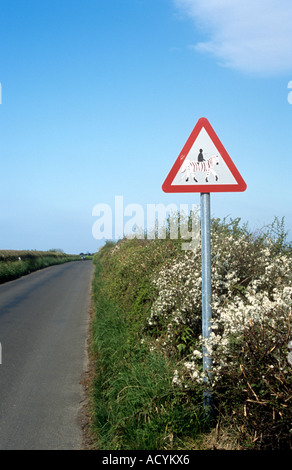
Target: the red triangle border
(167, 186)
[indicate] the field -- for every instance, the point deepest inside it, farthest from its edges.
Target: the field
(148, 383)
(17, 263)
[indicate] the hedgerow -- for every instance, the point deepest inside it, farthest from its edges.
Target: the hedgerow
(157, 288)
(17, 263)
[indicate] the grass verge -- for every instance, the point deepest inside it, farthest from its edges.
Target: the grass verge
(135, 405)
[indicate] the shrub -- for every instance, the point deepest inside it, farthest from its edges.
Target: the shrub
(157, 287)
(17, 263)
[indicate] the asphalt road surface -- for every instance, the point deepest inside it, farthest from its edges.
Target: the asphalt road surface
(43, 330)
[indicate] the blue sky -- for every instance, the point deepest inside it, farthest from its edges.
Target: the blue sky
(100, 96)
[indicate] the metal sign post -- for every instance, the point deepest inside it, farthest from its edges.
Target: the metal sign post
(206, 290)
(204, 166)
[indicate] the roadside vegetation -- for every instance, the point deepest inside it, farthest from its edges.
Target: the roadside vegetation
(147, 345)
(17, 263)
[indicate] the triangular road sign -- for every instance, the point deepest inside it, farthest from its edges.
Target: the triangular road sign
(203, 166)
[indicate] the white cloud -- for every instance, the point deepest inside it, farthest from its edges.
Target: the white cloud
(247, 35)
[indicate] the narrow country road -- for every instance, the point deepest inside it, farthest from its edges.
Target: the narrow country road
(43, 329)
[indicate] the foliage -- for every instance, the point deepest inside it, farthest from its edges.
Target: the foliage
(135, 404)
(17, 263)
(157, 288)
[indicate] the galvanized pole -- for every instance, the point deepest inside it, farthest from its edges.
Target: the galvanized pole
(206, 291)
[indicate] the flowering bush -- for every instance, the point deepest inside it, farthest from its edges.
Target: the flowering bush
(251, 306)
(158, 286)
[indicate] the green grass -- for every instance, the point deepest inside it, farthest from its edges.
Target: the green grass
(135, 406)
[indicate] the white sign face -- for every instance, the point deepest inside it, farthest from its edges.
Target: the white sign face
(203, 165)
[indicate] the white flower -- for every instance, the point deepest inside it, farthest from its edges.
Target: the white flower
(197, 354)
(176, 380)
